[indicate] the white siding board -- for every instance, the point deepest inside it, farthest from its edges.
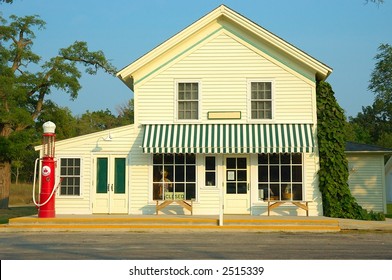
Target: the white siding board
(83, 147)
(366, 181)
(223, 66)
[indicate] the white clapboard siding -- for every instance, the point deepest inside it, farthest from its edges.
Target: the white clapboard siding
(84, 147)
(224, 66)
(312, 192)
(367, 180)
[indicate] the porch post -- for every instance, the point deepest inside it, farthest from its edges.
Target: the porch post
(221, 206)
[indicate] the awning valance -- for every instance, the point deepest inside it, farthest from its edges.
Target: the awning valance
(228, 138)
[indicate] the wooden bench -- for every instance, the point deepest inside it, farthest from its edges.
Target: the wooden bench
(276, 203)
(183, 203)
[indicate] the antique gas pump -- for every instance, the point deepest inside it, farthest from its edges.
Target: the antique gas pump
(46, 205)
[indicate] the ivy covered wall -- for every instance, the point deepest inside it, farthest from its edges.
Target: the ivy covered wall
(338, 201)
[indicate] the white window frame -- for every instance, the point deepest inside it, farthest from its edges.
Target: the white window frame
(249, 97)
(280, 182)
(210, 171)
(173, 181)
(59, 176)
(176, 100)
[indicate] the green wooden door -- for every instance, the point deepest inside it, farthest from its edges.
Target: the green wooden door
(111, 188)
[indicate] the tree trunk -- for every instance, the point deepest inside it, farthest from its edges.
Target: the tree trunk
(5, 182)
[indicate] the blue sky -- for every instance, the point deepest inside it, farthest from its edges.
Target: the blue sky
(344, 34)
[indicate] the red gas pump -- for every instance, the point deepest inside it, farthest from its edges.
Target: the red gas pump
(46, 205)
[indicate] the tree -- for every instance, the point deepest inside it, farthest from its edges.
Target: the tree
(381, 82)
(376, 119)
(62, 116)
(23, 89)
(95, 121)
(126, 113)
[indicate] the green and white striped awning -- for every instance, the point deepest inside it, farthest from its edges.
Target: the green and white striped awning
(228, 138)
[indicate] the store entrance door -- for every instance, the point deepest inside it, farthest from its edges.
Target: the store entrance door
(110, 185)
(237, 194)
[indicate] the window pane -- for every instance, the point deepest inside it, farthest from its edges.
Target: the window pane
(190, 174)
(158, 158)
(241, 175)
(275, 191)
(190, 159)
(285, 173)
(263, 191)
(190, 191)
(231, 188)
(297, 158)
(263, 159)
(297, 173)
(157, 191)
(242, 188)
(119, 175)
(274, 158)
(285, 158)
(63, 170)
(180, 173)
(210, 163)
(179, 187)
(102, 175)
(157, 175)
(231, 163)
(241, 162)
(179, 158)
(263, 173)
(210, 179)
(274, 173)
(297, 192)
(168, 173)
(168, 158)
(181, 86)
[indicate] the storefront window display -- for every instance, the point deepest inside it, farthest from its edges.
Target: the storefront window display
(280, 176)
(174, 176)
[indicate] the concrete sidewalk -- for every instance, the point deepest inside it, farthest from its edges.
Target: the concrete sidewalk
(195, 223)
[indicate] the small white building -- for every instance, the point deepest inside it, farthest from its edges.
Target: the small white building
(225, 118)
(368, 177)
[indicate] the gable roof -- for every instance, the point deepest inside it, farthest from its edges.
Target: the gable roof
(322, 70)
(352, 147)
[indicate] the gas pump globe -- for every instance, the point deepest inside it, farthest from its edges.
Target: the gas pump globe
(47, 202)
(48, 139)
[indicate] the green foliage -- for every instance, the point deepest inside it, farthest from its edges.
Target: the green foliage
(96, 121)
(333, 174)
(25, 83)
(374, 123)
(62, 116)
(24, 89)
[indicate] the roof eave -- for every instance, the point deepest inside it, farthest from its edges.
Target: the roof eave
(322, 71)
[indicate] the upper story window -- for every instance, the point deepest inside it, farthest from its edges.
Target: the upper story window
(261, 100)
(188, 101)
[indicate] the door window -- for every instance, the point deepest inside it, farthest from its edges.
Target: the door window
(236, 176)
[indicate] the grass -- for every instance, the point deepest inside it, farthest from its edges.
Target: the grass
(21, 203)
(389, 211)
(16, 211)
